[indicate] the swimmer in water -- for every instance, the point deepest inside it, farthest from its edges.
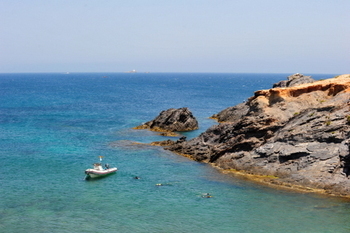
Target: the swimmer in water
(207, 195)
(166, 184)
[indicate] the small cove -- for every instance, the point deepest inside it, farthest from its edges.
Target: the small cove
(54, 126)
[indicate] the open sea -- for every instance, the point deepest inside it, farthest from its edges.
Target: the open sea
(54, 126)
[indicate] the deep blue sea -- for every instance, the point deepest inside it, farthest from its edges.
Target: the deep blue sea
(54, 126)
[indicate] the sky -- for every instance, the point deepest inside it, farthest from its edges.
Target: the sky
(250, 36)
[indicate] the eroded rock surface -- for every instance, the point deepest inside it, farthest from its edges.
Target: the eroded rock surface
(294, 80)
(172, 120)
(299, 134)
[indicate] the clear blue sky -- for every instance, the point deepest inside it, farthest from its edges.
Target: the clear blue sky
(277, 36)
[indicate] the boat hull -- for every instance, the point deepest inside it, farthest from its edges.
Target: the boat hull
(94, 173)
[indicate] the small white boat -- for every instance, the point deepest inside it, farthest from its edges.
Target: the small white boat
(98, 171)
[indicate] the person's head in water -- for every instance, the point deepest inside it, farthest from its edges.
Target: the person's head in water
(207, 195)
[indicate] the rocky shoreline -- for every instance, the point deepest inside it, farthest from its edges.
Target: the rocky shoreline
(294, 135)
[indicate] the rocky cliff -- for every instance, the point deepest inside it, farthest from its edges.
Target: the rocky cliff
(298, 134)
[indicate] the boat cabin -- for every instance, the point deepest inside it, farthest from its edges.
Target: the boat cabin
(98, 166)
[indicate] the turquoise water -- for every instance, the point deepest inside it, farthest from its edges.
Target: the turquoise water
(54, 126)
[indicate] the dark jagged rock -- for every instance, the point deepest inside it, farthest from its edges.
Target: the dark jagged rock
(294, 80)
(172, 120)
(232, 113)
(299, 134)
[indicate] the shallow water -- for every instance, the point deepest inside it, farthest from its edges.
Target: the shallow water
(54, 126)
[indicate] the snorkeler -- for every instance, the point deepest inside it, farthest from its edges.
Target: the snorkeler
(207, 195)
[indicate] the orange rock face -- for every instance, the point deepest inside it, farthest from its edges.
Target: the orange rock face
(326, 88)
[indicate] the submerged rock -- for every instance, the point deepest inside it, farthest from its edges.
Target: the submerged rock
(172, 120)
(298, 134)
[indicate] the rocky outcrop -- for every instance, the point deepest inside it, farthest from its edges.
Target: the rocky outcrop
(237, 112)
(232, 114)
(172, 120)
(298, 134)
(294, 80)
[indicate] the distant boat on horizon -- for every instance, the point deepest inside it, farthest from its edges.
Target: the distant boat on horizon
(131, 71)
